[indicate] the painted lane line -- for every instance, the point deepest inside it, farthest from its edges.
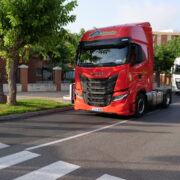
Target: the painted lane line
(108, 177)
(50, 172)
(2, 146)
(76, 136)
(16, 158)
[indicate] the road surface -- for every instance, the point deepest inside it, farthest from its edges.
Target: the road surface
(89, 146)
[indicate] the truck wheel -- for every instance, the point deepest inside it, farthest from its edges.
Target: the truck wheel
(140, 105)
(166, 99)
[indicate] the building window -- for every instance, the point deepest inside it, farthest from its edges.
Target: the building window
(158, 39)
(169, 37)
(47, 74)
(39, 72)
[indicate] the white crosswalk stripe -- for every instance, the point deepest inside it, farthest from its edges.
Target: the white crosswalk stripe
(108, 177)
(50, 172)
(2, 146)
(16, 158)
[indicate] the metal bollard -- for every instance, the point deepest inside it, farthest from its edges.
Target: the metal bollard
(72, 92)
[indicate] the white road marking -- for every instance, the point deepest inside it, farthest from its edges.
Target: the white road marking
(2, 146)
(76, 136)
(108, 177)
(50, 172)
(16, 158)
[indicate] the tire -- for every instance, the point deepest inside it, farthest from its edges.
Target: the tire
(166, 99)
(140, 105)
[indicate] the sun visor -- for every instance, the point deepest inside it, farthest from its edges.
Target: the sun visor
(105, 43)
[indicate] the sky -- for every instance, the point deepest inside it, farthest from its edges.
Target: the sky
(162, 14)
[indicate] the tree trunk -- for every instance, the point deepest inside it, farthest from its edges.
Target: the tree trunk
(158, 79)
(12, 72)
(3, 97)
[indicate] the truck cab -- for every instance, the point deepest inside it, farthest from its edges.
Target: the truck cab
(176, 76)
(114, 70)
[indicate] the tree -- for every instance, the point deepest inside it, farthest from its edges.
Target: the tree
(64, 49)
(174, 46)
(164, 57)
(67, 53)
(25, 23)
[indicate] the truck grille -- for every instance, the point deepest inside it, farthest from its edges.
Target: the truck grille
(98, 91)
(178, 85)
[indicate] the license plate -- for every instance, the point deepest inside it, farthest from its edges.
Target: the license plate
(97, 109)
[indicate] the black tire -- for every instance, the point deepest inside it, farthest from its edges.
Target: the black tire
(167, 98)
(177, 93)
(140, 105)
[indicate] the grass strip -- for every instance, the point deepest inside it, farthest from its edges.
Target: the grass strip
(30, 105)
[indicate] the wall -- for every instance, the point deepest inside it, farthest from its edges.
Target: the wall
(40, 87)
(5, 87)
(165, 80)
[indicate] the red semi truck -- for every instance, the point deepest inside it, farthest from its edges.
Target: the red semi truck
(114, 71)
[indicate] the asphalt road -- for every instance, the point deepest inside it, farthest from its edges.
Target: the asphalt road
(83, 145)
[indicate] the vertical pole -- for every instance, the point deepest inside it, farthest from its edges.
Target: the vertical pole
(57, 77)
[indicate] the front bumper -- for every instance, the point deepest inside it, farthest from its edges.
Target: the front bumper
(121, 107)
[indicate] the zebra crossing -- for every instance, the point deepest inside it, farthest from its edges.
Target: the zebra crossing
(109, 177)
(51, 171)
(16, 158)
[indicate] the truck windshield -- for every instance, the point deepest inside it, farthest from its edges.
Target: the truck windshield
(177, 69)
(103, 57)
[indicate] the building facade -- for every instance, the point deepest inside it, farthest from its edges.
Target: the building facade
(39, 70)
(160, 38)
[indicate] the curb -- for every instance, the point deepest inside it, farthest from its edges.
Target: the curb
(34, 114)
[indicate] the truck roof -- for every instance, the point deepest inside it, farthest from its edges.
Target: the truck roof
(138, 31)
(143, 24)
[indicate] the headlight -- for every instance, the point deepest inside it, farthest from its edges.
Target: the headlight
(177, 79)
(121, 97)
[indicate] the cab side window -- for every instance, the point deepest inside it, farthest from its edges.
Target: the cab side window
(136, 54)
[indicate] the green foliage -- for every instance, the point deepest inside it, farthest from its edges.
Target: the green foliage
(29, 22)
(25, 106)
(165, 55)
(174, 46)
(64, 48)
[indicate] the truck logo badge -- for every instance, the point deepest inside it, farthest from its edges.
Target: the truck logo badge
(97, 73)
(100, 33)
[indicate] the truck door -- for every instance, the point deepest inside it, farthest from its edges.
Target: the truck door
(138, 67)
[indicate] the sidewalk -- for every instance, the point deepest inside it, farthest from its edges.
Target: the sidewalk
(56, 96)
